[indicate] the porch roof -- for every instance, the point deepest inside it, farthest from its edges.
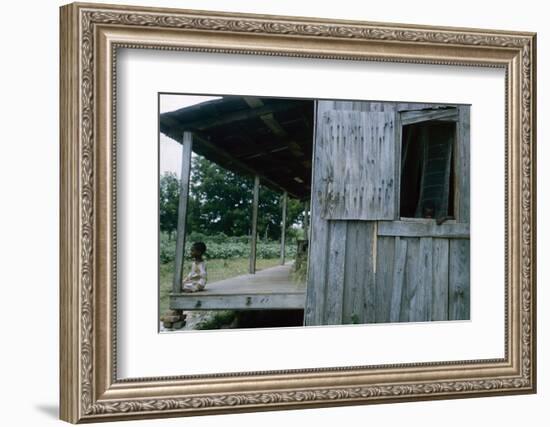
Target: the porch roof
(270, 137)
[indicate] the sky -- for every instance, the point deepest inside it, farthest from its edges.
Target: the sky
(170, 150)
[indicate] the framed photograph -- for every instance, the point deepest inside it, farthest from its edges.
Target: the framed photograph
(268, 212)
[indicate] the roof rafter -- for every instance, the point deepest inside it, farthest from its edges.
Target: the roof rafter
(232, 117)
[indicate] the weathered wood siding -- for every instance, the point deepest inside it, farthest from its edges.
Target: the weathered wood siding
(341, 282)
(357, 152)
(422, 279)
(366, 270)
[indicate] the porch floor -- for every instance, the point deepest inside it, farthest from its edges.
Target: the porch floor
(268, 289)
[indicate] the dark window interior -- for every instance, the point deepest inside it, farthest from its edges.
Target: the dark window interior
(427, 170)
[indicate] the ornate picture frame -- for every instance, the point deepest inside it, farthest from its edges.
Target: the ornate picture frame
(90, 37)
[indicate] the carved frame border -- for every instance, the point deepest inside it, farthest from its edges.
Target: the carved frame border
(90, 36)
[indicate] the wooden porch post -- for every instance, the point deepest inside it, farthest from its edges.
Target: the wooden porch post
(256, 196)
(187, 145)
(283, 228)
(306, 219)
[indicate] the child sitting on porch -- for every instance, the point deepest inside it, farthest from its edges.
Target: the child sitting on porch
(196, 279)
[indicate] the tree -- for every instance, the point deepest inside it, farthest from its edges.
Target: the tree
(223, 203)
(270, 213)
(220, 201)
(223, 199)
(169, 200)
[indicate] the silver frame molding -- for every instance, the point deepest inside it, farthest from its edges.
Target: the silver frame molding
(90, 36)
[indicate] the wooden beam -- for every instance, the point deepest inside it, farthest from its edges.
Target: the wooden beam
(232, 117)
(424, 228)
(462, 166)
(187, 146)
(306, 219)
(254, 232)
(410, 117)
(232, 161)
(283, 228)
(245, 301)
(269, 120)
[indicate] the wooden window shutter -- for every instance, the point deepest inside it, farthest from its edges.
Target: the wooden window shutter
(355, 152)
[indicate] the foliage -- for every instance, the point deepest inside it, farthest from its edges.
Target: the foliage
(220, 204)
(223, 198)
(299, 275)
(168, 200)
(218, 320)
(233, 247)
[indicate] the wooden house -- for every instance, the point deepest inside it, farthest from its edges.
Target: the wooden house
(389, 189)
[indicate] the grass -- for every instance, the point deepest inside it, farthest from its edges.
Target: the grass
(218, 269)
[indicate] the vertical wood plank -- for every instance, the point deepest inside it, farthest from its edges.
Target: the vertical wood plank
(384, 277)
(359, 278)
(318, 246)
(459, 279)
(283, 227)
(411, 278)
(440, 289)
(400, 158)
(462, 169)
(357, 152)
(326, 303)
(186, 151)
(387, 167)
(254, 225)
(398, 283)
(335, 273)
(422, 306)
(306, 220)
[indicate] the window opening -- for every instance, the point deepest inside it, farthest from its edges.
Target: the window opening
(427, 182)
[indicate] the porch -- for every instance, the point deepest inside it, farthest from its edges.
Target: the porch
(269, 289)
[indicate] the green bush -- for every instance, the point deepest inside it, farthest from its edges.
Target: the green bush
(223, 247)
(218, 320)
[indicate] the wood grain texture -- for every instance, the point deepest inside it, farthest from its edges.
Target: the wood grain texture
(423, 228)
(317, 254)
(421, 302)
(283, 227)
(252, 301)
(186, 151)
(398, 285)
(440, 284)
(384, 278)
(418, 116)
(359, 279)
(459, 279)
(401, 274)
(357, 152)
(335, 273)
(254, 225)
(463, 165)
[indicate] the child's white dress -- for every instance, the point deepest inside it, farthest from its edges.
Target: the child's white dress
(196, 279)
